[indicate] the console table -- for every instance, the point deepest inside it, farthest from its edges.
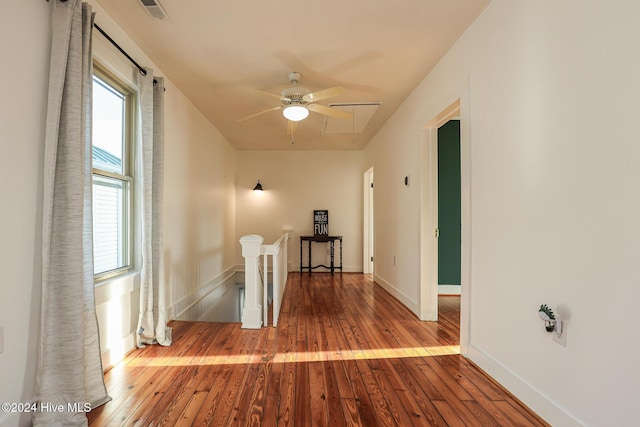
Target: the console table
(321, 239)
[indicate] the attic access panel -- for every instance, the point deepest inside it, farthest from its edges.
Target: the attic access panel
(362, 113)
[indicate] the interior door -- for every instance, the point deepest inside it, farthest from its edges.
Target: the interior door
(449, 207)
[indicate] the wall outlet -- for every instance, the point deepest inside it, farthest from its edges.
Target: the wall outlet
(560, 332)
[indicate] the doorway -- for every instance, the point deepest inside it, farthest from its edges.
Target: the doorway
(448, 146)
(368, 229)
(429, 234)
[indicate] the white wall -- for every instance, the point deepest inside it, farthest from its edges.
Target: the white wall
(554, 201)
(199, 202)
(394, 154)
(199, 207)
(554, 149)
(24, 43)
(296, 183)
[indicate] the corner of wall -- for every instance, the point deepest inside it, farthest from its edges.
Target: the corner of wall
(191, 306)
(533, 398)
(397, 294)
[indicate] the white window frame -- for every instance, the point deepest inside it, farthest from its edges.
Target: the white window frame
(127, 177)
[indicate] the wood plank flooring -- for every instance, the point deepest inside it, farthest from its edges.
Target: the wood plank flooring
(345, 353)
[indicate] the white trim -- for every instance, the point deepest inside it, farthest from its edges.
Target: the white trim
(111, 358)
(428, 300)
(465, 217)
(529, 395)
(367, 213)
(118, 286)
(220, 282)
(457, 104)
(397, 293)
(253, 284)
(252, 317)
(449, 289)
(110, 292)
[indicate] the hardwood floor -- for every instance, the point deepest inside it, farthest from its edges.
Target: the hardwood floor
(345, 353)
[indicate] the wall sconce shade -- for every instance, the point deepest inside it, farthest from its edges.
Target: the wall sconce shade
(258, 187)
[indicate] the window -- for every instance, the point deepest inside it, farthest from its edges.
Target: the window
(112, 136)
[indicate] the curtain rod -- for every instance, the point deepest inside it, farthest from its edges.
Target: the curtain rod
(117, 46)
(122, 51)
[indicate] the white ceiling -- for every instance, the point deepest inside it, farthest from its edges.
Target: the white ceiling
(219, 52)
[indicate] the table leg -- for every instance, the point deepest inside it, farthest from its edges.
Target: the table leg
(300, 255)
(309, 256)
(332, 254)
(341, 256)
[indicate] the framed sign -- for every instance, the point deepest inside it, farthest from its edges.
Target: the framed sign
(321, 222)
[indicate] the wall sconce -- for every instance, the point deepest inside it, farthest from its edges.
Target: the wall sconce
(258, 187)
(549, 318)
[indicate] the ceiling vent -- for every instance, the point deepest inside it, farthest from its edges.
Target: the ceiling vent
(154, 8)
(361, 114)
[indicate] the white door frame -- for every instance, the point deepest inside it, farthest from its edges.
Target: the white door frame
(367, 221)
(429, 213)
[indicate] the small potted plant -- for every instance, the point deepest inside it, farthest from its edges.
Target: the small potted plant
(549, 318)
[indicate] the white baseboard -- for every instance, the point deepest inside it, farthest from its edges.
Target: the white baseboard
(397, 294)
(449, 289)
(534, 399)
(217, 285)
(252, 317)
(115, 354)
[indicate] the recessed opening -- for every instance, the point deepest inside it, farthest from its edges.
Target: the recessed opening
(362, 113)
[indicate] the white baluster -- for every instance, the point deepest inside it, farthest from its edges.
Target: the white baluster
(265, 290)
(252, 312)
(277, 284)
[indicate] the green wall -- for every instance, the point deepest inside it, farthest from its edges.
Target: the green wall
(449, 203)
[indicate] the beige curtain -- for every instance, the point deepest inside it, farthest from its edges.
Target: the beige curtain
(69, 368)
(152, 323)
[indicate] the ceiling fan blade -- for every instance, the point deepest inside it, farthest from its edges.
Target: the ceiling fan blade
(323, 94)
(259, 113)
(272, 95)
(328, 111)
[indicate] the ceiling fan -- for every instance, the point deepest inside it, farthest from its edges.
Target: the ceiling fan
(297, 101)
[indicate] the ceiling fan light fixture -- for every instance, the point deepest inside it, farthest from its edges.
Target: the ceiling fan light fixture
(295, 113)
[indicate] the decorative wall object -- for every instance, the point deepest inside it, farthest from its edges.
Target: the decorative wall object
(321, 222)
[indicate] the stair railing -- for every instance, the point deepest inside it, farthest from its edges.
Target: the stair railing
(257, 295)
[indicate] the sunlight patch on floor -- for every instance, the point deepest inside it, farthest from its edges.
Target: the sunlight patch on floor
(299, 357)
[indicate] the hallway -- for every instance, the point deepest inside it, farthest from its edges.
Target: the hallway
(344, 353)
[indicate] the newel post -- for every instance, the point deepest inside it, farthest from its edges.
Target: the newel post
(252, 312)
